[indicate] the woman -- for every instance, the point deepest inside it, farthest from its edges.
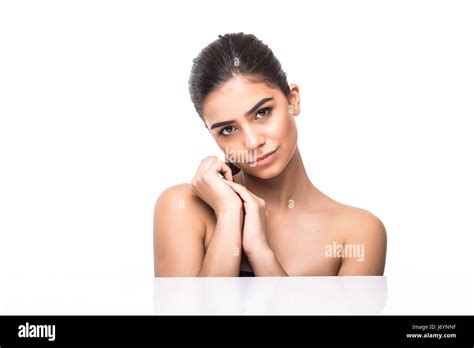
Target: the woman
(257, 213)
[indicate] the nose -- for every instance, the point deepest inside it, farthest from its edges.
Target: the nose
(253, 139)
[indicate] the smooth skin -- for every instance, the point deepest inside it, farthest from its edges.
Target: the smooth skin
(270, 218)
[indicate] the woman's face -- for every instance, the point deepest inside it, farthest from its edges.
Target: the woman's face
(250, 119)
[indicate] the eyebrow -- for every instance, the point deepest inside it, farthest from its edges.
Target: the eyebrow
(248, 113)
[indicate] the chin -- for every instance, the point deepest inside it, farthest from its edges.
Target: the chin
(264, 173)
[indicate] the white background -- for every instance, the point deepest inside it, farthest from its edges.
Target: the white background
(96, 121)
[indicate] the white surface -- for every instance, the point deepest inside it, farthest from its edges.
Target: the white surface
(95, 122)
(410, 294)
(405, 294)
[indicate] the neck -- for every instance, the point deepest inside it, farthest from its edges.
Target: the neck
(289, 188)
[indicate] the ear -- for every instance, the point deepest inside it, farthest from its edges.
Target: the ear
(294, 99)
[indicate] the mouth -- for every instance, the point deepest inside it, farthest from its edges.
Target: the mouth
(265, 158)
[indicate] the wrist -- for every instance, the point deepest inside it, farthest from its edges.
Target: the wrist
(259, 252)
(230, 209)
(231, 213)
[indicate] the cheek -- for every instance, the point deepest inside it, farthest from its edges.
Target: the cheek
(226, 145)
(284, 127)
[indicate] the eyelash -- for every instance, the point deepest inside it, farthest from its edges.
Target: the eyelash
(268, 109)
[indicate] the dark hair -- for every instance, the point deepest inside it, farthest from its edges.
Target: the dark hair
(229, 55)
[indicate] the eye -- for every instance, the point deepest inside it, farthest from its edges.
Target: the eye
(263, 112)
(226, 131)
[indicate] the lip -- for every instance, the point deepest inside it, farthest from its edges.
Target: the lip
(266, 158)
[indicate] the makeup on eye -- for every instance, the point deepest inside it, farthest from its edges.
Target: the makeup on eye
(222, 132)
(254, 108)
(267, 109)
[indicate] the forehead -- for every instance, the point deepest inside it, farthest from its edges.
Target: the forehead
(234, 98)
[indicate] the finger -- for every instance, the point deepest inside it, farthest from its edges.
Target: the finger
(245, 194)
(205, 163)
(221, 167)
(254, 196)
(208, 163)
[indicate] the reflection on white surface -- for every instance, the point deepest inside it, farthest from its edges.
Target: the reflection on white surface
(270, 295)
(134, 293)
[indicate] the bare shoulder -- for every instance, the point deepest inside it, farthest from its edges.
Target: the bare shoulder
(361, 231)
(360, 224)
(179, 201)
(180, 193)
(179, 229)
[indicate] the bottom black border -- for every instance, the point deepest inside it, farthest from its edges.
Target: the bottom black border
(228, 330)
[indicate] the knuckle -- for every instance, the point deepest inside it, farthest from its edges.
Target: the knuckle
(211, 158)
(205, 176)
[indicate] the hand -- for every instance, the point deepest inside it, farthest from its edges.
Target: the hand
(254, 238)
(210, 187)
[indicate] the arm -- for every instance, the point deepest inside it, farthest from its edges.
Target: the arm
(224, 251)
(254, 241)
(179, 232)
(369, 238)
(265, 263)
